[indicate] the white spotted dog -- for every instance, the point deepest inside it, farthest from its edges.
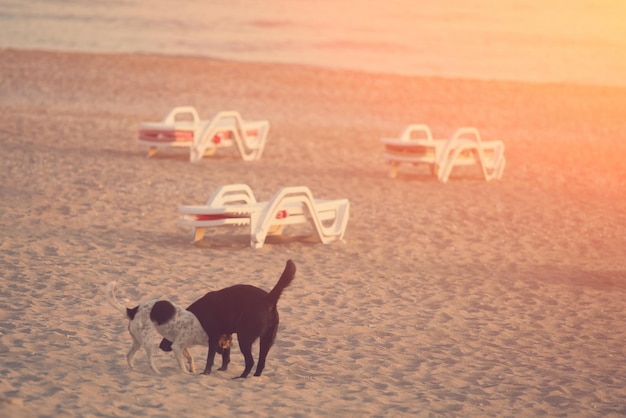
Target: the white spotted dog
(172, 322)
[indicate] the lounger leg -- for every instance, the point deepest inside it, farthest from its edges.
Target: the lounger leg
(444, 172)
(209, 152)
(394, 170)
(434, 169)
(257, 241)
(152, 152)
(276, 230)
(501, 168)
(198, 234)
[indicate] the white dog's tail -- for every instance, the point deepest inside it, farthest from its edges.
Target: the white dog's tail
(109, 292)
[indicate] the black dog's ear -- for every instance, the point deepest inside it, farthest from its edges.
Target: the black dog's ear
(166, 345)
(131, 312)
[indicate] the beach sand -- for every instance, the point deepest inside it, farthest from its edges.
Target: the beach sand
(501, 298)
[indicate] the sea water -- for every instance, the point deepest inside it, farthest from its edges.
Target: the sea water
(572, 41)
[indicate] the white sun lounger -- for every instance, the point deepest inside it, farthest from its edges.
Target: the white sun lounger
(414, 146)
(417, 146)
(204, 137)
(466, 148)
(236, 205)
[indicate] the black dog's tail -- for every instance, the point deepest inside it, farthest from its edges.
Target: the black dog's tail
(285, 280)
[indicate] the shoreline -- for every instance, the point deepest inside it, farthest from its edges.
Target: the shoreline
(320, 67)
(469, 298)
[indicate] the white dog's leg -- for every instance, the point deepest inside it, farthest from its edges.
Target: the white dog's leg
(148, 347)
(130, 357)
(142, 331)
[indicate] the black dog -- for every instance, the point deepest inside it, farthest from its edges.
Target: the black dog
(246, 310)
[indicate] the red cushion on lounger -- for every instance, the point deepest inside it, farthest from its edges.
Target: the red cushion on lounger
(407, 149)
(211, 217)
(281, 214)
(166, 135)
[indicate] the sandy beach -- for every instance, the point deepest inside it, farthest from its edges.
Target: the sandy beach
(471, 298)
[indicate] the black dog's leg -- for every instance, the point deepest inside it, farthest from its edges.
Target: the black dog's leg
(225, 359)
(265, 344)
(213, 341)
(245, 345)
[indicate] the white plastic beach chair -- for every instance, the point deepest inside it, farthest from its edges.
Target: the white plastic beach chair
(414, 146)
(182, 127)
(465, 147)
(236, 205)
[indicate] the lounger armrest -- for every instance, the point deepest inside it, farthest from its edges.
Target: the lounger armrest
(200, 210)
(424, 130)
(467, 132)
(232, 194)
(471, 134)
(232, 119)
(181, 110)
(228, 210)
(167, 127)
(408, 143)
(460, 136)
(493, 144)
(254, 125)
(424, 139)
